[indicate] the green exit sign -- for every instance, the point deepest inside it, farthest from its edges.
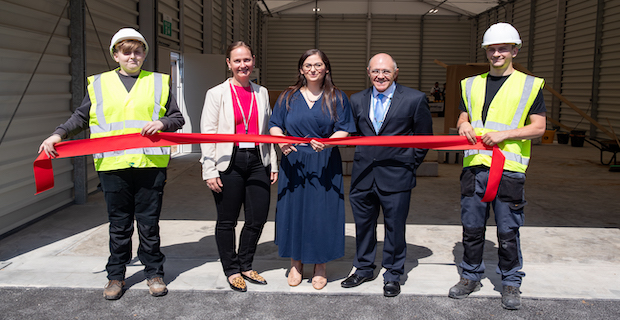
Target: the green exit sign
(166, 28)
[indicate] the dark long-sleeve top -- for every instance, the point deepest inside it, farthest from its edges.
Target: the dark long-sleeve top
(173, 119)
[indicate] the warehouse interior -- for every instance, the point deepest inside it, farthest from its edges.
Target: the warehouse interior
(572, 44)
(50, 47)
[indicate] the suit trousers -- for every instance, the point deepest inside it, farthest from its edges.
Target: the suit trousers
(245, 182)
(134, 193)
(508, 210)
(365, 205)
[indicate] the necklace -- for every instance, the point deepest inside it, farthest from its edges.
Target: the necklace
(307, 96)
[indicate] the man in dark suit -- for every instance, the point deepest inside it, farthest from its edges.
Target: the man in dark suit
(384, 176)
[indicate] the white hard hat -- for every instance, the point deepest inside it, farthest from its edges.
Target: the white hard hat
(127, 34)
(501, 33)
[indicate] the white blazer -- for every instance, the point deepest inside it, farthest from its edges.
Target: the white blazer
(218, 116)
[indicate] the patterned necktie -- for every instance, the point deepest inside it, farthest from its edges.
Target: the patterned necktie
(379, 112)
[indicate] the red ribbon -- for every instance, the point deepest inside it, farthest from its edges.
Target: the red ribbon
(44, 174)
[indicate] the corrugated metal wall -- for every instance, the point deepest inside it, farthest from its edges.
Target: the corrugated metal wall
(230, 8)
(578, 60)
(344, 40)
(255, 29)
(544, 44)
(286, 40)
(25, 29)
(521, 20)
(193, 21)
(170, 8)
(216, 22)
(403, 47)
(435, 46)
(241, 18)
(609, 82)
(482, 23)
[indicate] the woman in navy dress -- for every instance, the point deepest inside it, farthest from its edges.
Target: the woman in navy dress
(310, 209)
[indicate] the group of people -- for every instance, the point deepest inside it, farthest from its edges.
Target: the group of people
(310, 210)
(503, 107)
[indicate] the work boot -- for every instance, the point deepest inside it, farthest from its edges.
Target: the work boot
(157, 287)
(511, 298)
(113, 290)
(463, 288)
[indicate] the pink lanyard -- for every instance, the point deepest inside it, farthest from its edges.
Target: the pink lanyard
(246, 121)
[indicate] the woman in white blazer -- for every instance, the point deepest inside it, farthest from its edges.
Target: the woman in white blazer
(238, 173)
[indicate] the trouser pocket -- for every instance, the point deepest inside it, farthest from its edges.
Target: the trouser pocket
(468, 183)
(511, 189)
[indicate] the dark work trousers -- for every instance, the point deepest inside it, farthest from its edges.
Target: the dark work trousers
(246, 183)
(134, 193)
(508, 210)
(365, 205)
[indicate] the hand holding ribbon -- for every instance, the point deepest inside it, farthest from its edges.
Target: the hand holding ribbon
(44, 174)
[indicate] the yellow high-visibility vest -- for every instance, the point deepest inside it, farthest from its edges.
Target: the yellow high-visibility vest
(114, 111)
(508, 110)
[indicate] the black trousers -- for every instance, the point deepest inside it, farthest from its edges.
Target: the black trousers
(365, 205)
(134, 193)
(245, 182)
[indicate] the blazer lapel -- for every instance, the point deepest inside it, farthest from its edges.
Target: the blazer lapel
(260, 107)
(227, 107)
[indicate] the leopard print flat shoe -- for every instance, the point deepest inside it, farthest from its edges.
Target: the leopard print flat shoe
(254, 278)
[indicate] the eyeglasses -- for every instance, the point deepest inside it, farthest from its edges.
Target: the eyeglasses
(317, 66)
(376, 72)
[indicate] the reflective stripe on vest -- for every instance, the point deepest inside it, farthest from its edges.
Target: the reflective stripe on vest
(509, 155)
(151, 157)
(516, 151)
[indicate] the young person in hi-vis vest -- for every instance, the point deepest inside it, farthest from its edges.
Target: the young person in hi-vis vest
(505, 107)
(122, 101)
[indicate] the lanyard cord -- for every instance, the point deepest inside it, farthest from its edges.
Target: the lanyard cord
(246, 122)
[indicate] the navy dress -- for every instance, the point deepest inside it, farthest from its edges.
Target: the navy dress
(310, 209)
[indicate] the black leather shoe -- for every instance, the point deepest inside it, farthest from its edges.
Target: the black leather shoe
(354, 280)
(391, 289)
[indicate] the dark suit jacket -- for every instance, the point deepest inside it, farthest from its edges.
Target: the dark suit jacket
(393, 169)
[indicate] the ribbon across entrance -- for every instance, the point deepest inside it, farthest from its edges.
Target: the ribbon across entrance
(44, 174)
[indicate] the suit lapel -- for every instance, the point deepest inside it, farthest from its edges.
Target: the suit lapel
(366, 108)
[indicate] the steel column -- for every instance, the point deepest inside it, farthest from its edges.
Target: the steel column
(596, 69)
(78, 91)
